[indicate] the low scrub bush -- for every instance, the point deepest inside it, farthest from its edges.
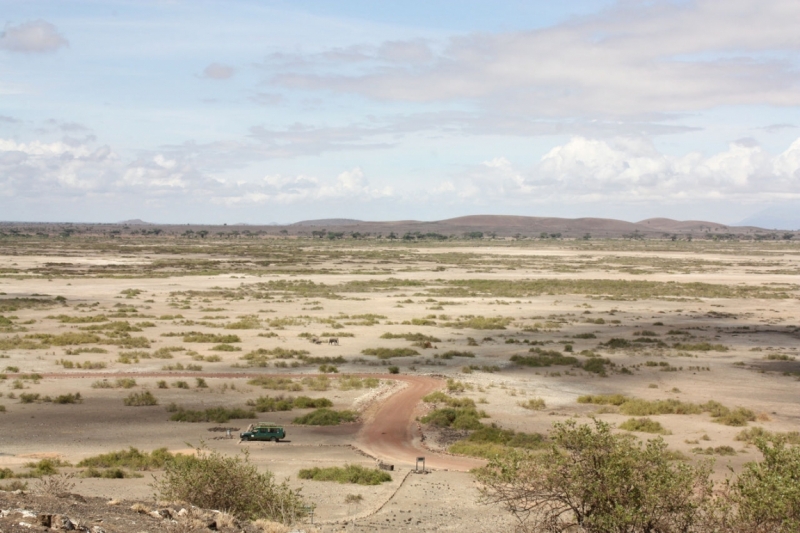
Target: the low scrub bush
(751, 435)
(326, 417)
(140, 399)
(388, 353)
(533, 404)
(355, 382)
(219, 415)
(195, 336)
(347, 474)
(491, 441)
(544, 358)
(700, 347)
(644, 425)
(132, 459)
(285, 384)
(454, 353)
(211, 480)
(411, 337)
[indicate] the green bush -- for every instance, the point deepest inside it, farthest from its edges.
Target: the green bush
(491, 441)
(593, 480)
(195, 336)
(286, 384)
(212, 414)
(534, 404)
(454, 353)
(131, 459)
(326, 417)
(348, 474)
(544, 358)
(388, 353)
(210, 480)
(644, 425)
(411, 337)
(140, 399)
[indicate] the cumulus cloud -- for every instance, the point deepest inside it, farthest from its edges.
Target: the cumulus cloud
(633, 170)
(218, 71)
(277, 189)
(36, 36)
(633, 60)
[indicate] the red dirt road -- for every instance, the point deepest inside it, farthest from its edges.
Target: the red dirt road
(390, 430)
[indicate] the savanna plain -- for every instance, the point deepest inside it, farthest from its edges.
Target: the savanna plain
(120, 354)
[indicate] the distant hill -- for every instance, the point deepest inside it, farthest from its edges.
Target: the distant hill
(499, 226)
(507, 225)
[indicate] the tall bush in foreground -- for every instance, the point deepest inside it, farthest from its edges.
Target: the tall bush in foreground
(765, 498)
(232, 484)
(594, 481)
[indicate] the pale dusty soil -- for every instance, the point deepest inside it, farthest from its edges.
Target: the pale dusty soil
(444, 500)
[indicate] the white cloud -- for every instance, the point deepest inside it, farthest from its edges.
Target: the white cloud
(351, 185)
(628, 170)
(636, 59)
(36, 36)
(218, 71)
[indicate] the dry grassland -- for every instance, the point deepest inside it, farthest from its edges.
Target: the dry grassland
(107, 344)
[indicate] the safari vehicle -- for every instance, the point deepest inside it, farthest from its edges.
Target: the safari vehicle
(264, 431)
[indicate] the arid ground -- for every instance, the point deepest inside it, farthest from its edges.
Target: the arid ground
(524, 328)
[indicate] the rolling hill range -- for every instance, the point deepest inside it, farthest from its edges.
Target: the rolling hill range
(500, 226)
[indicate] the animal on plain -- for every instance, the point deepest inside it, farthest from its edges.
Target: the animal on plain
(333, 340)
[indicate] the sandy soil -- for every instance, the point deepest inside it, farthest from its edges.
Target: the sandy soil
(755, 370)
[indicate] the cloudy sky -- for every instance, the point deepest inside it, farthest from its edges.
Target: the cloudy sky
(265, 111)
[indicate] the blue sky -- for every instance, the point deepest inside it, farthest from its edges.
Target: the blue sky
(278, 111)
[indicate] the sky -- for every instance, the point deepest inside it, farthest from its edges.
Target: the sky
(276, 111)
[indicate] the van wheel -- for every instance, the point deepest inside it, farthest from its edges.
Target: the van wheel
(245, 439)
(274, 439)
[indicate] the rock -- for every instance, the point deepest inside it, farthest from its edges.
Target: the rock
(97, 529)
(45, 519)
(62, 523)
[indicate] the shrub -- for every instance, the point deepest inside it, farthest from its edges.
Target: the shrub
(68, 398)
(544, 358)
(603, 399)
(219, 415)
(645, 425)
(534, 404)
(700, 347)
(593, 480)
(139, 399)
(394, 370)
(194, 336)
(348, 474)
(491, 441)
(388, 353)
(131, 458)
(212, 481)
(225, 348)
(765, 494)
(411, 337)
(326, 417)
(454, 353)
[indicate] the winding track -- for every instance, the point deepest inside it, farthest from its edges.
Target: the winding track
(389, 433)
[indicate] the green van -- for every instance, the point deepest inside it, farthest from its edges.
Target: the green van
(264, 431)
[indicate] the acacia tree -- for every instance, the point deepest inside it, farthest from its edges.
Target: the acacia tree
(592, 480)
